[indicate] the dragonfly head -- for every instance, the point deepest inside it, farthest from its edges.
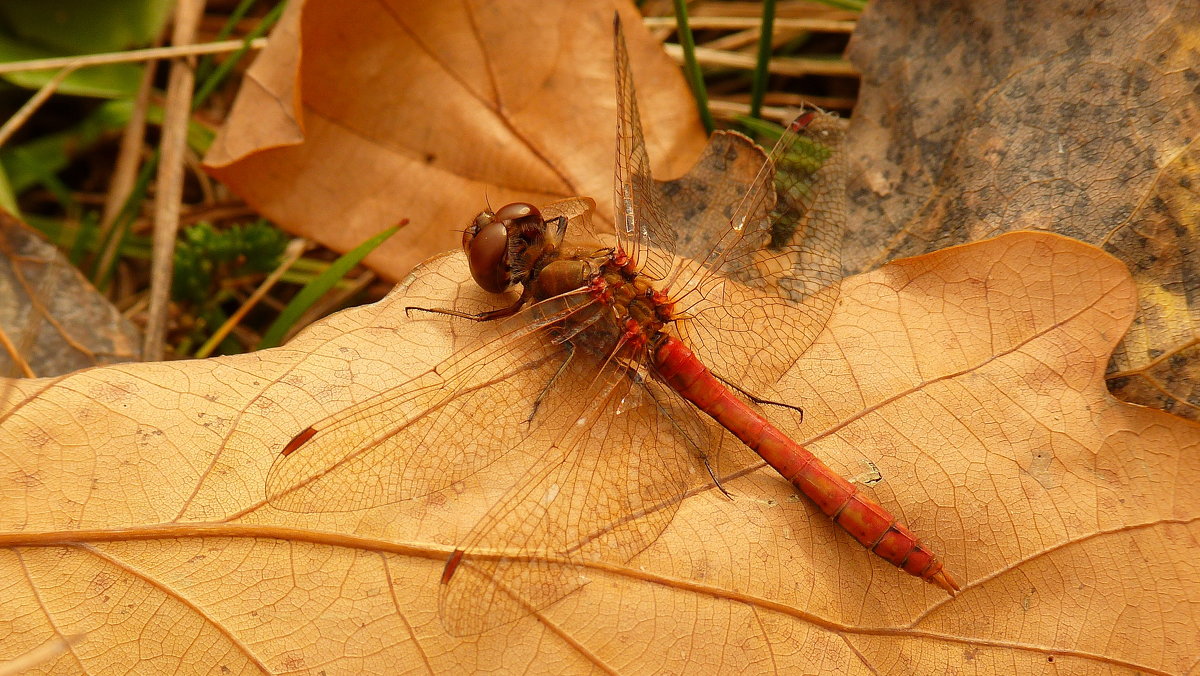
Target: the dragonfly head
(502, 245)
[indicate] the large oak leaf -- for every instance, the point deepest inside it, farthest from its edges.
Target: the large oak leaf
(132, 508)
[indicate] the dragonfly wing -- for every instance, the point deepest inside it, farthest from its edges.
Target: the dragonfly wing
(642, 230)
(769, 281)
(702, 201)
(425, 435)
(604, 491)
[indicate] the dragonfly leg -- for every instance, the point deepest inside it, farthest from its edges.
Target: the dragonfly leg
(713, 475)
(490, 315)
(757, 399)
(570, 347)
(695, 444)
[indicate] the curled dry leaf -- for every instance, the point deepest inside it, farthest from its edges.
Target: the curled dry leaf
(360, 114)
(1084, 125)
(132, 505)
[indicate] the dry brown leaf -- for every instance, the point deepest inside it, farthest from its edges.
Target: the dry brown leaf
(132, 506)
(51, 318)
(976, 119)
(418, 110)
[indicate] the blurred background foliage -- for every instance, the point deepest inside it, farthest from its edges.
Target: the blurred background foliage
(59, 167)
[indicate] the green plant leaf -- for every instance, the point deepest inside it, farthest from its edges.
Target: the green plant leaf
(36, 30)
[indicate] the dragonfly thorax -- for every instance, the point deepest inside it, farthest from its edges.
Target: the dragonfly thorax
(635, 310)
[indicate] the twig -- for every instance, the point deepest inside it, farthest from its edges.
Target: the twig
(15, 355)
(784, 100)
(740, 23)
(730, 110)
(294, 250)
(130, 56)
(782, 110)
(126, 169)
(782, 65)
(14, 123)
(169, 184)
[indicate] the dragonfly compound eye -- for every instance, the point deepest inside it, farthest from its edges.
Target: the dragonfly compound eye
(481, 221)
(487, 253)
(522, 214)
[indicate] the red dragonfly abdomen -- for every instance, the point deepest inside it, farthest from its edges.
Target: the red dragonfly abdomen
(868, 522)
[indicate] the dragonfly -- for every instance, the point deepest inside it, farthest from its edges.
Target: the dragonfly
(635, 351)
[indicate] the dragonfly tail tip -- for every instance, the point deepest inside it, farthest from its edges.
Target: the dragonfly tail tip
(944, 580)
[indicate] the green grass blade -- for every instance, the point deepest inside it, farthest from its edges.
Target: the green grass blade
(205, 67)
(692, 69)
(8, 199)
(319, 286)
(765, 36)
(101, 273)
(760, 129)
(215, 76)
